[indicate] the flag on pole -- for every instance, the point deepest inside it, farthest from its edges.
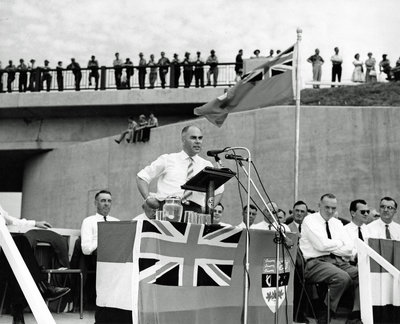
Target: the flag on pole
(269, 84)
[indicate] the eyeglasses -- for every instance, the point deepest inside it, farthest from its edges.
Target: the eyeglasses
(217, 211)
(364, 212)
(388, 207)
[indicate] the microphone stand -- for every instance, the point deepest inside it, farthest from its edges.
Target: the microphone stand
(247, 263)
(278, 239)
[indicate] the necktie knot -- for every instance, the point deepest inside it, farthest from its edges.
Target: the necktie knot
(105, 218)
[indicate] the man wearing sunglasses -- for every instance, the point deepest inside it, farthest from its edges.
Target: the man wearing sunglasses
(357, 228)
(385, 227)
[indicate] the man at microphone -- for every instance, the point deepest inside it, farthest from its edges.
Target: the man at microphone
(173, 170)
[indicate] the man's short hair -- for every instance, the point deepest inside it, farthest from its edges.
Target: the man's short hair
(390, 199)
(186, 128)
(251, 207)
(222, 206)
(354, 203)
(101, 192)
(281, 210)
(328, 195)
(299, 202)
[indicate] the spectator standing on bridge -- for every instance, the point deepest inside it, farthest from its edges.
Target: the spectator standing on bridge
(239, 65)
(76, 70)
(337, 61)
(176, 70)
(142, 71)
(23, 76)
(46, 76)
(93, 66)
(370, 72)
(358, 73)
(163, 62)
(256, 54)
(60, 77)
(117, 63)
(396, 71)
(316, 60)
(187, 70)
(212, 61)
(34, 73)
(10, 69)
(271, 55)
(199, 71)
(153, 72)
(128, 65)
(384, 66)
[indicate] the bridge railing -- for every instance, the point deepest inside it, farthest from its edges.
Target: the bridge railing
(107, 80)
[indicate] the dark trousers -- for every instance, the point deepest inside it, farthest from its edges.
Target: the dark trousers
(60, 82)
(118, 75)
(10, 80)
(78, 78)
(187, 77)
(23, 81)
(336, 72)
(94, 75)
(163, 73)
(142, 77)
(46, 79)
(199, 77)
(15, 292)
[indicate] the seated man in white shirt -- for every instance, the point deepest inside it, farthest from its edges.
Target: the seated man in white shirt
(252, 216)
(17, 299)
(326, 248)
(385, 227)
(173, 170)
(218, 213)
(357, 228)
(103, 202)
(269, 222)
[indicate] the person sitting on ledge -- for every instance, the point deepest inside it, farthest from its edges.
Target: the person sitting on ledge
(130, 131)
(17, 299)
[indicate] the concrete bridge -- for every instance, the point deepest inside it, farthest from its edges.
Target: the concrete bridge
(59, 149)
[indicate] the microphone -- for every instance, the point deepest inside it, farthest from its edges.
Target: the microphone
(235, 157)
(216, 152)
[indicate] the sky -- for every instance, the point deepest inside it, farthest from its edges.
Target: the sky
(58, 30)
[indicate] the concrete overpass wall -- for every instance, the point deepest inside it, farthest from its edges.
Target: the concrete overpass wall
(352, 152)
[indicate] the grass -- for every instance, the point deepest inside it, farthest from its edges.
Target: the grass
(373, 94)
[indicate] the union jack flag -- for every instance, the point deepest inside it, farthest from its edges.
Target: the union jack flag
(166, 254)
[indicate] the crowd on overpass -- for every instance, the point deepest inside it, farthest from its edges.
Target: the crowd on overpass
(193, 70)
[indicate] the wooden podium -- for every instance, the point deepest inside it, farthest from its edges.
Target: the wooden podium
(208, 180)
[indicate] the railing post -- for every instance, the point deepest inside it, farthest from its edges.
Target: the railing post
(103, 77)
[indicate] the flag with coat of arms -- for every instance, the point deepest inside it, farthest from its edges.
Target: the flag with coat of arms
(190, 273)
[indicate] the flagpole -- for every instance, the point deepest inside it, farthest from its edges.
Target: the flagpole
(297, 118)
